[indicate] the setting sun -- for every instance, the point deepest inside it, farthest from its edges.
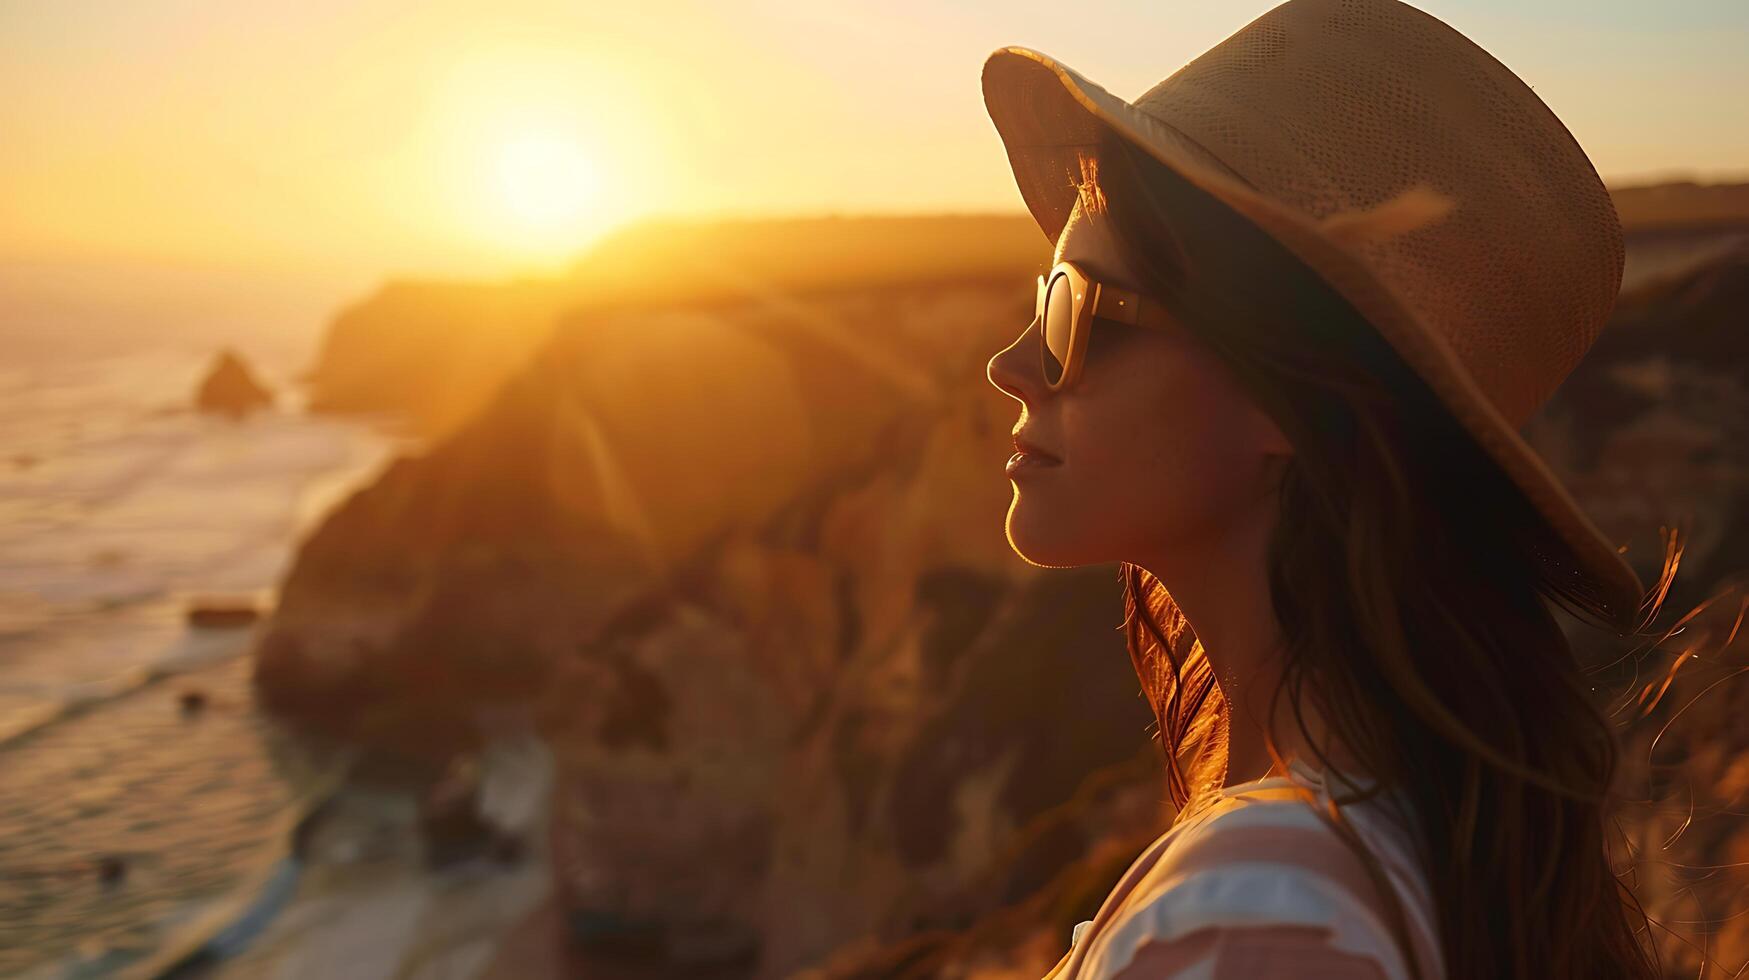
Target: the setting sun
(533, 154)
(544, 183)
(536, 183)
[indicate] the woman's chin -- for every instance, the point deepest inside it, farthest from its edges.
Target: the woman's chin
(1039, 542)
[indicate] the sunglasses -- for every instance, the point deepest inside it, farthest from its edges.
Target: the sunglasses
(1068, 301)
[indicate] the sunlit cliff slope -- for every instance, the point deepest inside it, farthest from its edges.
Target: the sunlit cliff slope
(731, 520)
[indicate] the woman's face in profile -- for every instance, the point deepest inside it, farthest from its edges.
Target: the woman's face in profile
(1160, 450)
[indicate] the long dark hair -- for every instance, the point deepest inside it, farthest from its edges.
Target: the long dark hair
(1416, 618)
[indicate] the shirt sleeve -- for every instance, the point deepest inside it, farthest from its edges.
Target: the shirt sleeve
(1255, 897)
(1277, 952)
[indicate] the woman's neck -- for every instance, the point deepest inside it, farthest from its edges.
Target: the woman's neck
(1220, 582)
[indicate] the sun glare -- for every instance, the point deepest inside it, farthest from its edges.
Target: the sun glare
(544, 183)
(538, 152)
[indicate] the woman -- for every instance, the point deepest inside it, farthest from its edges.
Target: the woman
(1305, 291)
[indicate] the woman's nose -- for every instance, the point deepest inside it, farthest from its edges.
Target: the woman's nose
(1009, 368)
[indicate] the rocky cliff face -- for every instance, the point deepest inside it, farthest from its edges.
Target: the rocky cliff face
(1653, 427)
(433, 353)
(744, 550)
(748, 557)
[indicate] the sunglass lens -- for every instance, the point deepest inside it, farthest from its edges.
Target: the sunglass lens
(1055, 331)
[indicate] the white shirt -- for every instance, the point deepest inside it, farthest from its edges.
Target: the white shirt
(1255, 876)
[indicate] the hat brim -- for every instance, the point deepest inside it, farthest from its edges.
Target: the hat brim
(1048, 114)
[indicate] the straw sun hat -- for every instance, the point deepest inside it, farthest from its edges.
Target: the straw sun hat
(1412, 172)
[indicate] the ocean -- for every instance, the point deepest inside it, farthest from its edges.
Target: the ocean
(119, 506)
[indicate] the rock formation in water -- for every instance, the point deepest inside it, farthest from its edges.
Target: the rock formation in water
(230, 388)
(216, 612)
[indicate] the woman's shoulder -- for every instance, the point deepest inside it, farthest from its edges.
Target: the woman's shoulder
(1259, 874)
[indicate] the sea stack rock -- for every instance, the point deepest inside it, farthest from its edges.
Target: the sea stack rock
(222, 613)
(230, 388)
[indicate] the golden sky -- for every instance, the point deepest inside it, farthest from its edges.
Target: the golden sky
(366, 138)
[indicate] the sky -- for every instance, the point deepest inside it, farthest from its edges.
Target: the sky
(359, 139)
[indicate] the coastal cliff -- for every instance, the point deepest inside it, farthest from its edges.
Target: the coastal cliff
(746, 555)
(742, 548)
(433, 352)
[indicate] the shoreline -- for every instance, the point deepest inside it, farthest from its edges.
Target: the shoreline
(194, 938)
(365, 902)
(192, 656)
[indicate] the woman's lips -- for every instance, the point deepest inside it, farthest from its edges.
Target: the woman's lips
(1028, 456)
(1027, 461)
